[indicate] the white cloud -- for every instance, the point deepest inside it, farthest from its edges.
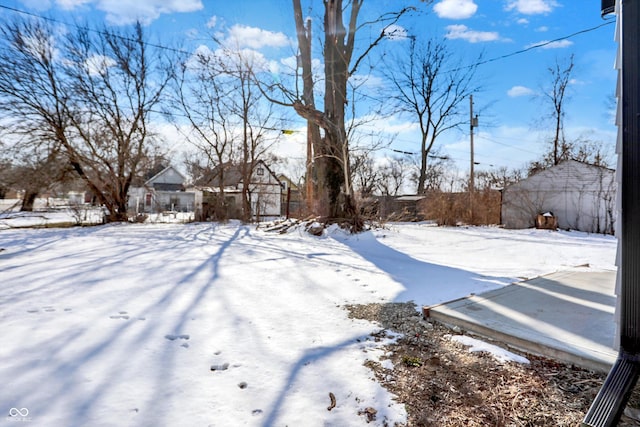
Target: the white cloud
(98, 64)
(124, 12)
(71, 4)
(40, 47)
(542, 29)
(191, 33)
(523, 21)
(37, 4)
(531, 7)
(546, 44)
(291, 63)
(472, 36)
(396, 32)
(254, 38)
(517, 91)
(240, 58)
(455, 9)
(212, 21)
(369, 81)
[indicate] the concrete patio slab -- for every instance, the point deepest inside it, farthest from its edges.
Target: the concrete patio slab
(568, 316)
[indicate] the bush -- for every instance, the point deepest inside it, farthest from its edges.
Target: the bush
(454, 208)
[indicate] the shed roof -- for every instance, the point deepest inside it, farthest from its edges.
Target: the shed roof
(564, 171)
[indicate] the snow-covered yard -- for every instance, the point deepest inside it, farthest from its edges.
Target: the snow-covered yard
(226, 325)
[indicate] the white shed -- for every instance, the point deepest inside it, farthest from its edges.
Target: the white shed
(580, 195)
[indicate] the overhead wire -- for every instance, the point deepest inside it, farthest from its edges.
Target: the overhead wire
(535, 46)
(289, 131)
(80, 27)
(475, 64)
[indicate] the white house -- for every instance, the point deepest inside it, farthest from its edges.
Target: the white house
(264, 190)
(581, 196)
(163, 192)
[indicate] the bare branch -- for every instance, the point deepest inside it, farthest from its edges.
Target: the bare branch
(395, 17)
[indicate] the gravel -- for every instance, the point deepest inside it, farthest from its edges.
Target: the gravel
(441, 383)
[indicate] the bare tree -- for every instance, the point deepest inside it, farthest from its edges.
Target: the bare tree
(227, 116)
(587, 150)
(332, 164)
(365, 173)
(33, 167)
(498, 178)
(255, 115)
(31, 104)
(556, 96)
(393, 175)
(314, 175)
(91, 92)
(582, 149)
(201, 90)
(429, 84)
(439, 176)
(5, 177)
(37, 169)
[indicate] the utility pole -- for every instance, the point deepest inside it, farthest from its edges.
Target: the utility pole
(473, 122)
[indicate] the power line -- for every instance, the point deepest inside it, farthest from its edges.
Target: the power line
(508, 145)
(80, 27)
(536, 46)
(159, 46)
(289, 131)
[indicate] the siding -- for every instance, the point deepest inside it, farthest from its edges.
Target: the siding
(580, 195)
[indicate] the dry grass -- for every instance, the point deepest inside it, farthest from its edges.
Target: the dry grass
(454, 208)
(441, 383)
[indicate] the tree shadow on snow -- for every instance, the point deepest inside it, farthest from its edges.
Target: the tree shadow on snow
(424, 283)
(66, 370)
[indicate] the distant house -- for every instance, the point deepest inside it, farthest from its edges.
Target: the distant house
(580, 196)
(162, 192)
(292, 201)
(264, 189)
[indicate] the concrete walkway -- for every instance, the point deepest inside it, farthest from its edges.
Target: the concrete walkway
(568, 316)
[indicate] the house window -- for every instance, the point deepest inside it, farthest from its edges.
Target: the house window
(260, 171)
(148, 199)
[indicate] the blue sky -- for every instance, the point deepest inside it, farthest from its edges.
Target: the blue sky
(510, 132)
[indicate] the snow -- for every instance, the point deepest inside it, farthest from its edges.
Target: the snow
(225, 324)
(48, 217)
(498, 353)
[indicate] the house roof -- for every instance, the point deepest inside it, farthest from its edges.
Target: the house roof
(551, 173)
(283, 178)
(575, 162)
(164, 172)
(211, 178)
(232, 175)
(410, 198)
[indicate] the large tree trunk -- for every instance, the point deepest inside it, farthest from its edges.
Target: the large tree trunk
(246, 196)
(334, 103)
(337, 55)
(28, 200)
(424, 153)
(334, 195)
(314, 168)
